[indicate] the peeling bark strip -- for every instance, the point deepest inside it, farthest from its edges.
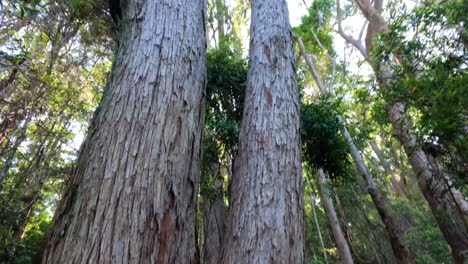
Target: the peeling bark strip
(266, 216)
(132, 198)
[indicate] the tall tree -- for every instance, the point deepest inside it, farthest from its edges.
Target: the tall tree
(343, 248)
(431, 185)
(400, 247)
(266, 203)
(132, 197)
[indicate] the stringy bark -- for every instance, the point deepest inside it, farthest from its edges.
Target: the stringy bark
(266, 205)
(132, 197)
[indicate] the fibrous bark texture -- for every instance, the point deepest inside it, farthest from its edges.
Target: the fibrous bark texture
(213, 230)
(266, 203)
(132, 197)
(342, 244)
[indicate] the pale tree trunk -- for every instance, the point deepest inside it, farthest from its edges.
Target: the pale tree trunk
(396, 184)
(343, 248)
(266, 205)
(400, 247)
(220, 6)
(312, 203)
(433, 188)
(132, 197)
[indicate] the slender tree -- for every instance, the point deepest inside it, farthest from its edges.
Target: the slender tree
(132, 197)
(400, 247)
(266, 203)
(343, 248)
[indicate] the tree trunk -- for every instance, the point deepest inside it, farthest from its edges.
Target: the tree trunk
(213, 228)
(220, 7)
(400, 248)
(132, 197)
(432, 187)
(396, 184)
(266, 207)
(312, 203)
(343, 248)
(213, 209)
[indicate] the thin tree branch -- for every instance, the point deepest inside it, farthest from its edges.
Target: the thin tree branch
(348, 38)
(332, 60)
(310, 64)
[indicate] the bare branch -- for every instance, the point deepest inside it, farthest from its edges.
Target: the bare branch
(332, 59)
(376, 22)
(348, 38)
(363, 28)
(310, 64)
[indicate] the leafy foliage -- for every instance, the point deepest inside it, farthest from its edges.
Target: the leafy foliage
(428, 50)
(323, 145)
(52, 75)
(226, 81)
(225, 91)
(318, 19)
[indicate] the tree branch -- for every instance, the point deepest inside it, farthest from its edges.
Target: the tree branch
(332, 60)
(348, 38)
(310, 64)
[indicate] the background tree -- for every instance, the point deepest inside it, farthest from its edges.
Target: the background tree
(225, 91)
(51, 79)
(424, 165)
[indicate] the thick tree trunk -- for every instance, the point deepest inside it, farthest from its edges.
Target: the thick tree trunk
(433, 188)
(266, 207)
(132, 197)
(343, 248)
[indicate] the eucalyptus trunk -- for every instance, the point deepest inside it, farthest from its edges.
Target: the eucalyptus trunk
(432, 186)
(132, 197)
(266, 205)
(213, 209)
(342, 244)
(401, 249)
(312, 204)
